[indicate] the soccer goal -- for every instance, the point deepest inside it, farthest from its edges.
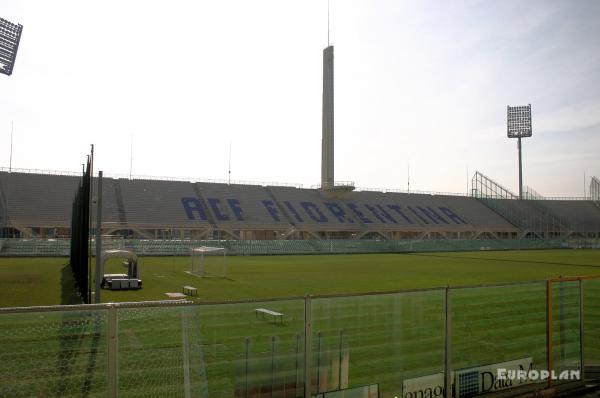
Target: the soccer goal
(208, 261)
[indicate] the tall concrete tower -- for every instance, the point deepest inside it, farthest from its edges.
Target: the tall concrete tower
(327, 179)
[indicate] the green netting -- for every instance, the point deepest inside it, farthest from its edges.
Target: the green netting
(591, 311)
(249, 353)
(47, 354)
(380, 339)
(158, 352)
(211, 351)
(256, 349)
(492, 325)
(566, 326)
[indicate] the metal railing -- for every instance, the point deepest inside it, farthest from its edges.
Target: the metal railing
(477, 192)
(411, 191)
(531, 194)
(151, 178)
(15, 247)
(401, 341)
(336, 184)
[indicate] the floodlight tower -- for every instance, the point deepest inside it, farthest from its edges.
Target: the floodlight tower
(519, 126)
(10, 36)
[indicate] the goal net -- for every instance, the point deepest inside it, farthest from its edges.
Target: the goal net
(208, 261)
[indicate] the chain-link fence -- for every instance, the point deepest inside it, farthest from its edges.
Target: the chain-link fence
(410, 344)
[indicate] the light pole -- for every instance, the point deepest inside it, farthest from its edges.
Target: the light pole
(519, 126)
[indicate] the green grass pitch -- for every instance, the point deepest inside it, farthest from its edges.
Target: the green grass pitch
(48, 281)
(387, 337)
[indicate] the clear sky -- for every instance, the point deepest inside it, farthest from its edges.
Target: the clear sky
(419, 82)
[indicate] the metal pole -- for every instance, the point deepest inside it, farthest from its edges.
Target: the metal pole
(99, 270)
(247, 349)
(186, 359)
(307, 346)
(520, 171)
(297, 382)
(549, 346)
(113, 358)
(12, 128)
(581, 329)
(319, 362)
(130, 155)
(561, 314)
(90, 223)
(447, 345)
(273, 355)
(340, 359)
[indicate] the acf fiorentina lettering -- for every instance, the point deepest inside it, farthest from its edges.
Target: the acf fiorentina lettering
(231, 209)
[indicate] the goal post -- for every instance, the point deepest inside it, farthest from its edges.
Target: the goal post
(208, 261)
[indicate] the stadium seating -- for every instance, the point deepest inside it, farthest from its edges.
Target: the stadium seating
(158, 204)
(528, 215)
(158, 209)
(475, 212)
(419, 211)
(583, 216)
(308, 209)
(40, 200)
(241, 206)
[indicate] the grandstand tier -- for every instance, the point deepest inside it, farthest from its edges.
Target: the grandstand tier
(36, 201)
(38, 205)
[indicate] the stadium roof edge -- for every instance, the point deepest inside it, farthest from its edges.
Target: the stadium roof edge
(151, 178)
(256, 183)
(388, 190)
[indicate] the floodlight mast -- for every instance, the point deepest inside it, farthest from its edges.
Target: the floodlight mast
(10, 36)
(519, 126)
(520, 169)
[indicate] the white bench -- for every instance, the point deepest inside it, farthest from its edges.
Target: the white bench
(190, 290)
(274, 314)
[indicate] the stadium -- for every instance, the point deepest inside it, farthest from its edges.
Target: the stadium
(36, 205)
(183, 287)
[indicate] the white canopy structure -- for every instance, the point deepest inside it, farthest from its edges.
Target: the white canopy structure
(127, 281)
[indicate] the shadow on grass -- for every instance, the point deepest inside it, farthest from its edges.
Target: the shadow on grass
(69, 293)
(505, 260)
(79, 335)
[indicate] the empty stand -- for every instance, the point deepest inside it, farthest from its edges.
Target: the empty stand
(418, 212)
(153, 204)
(580, 215)
(308, 209)
(38, 200)
(531, 216)
(180, 209)
(528, 215)
(118, 195)
(477, 214)
(239, 206)
(4, 223)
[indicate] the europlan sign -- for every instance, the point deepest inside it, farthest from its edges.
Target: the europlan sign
(472, 381)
